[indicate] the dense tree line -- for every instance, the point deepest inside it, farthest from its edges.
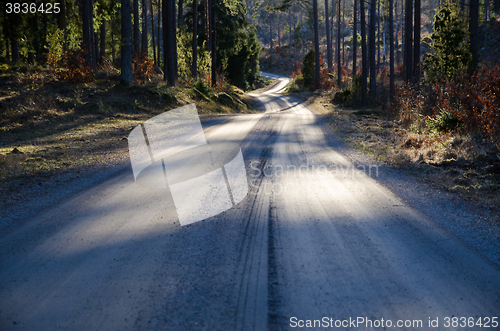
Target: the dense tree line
(121, 30)
(390, 34)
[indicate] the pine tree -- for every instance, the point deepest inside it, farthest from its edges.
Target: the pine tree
(448, 43)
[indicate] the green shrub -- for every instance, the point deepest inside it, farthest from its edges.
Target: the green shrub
(443, 122)
(203, 90)
(450, 52)
(296, 85)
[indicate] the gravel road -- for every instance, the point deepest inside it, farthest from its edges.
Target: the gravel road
(317, 238)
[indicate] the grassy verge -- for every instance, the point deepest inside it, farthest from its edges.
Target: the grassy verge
(52, 129)
(456, 162)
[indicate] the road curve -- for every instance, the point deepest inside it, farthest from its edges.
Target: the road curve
(316, 238)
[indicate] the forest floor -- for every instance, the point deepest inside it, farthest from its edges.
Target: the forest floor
(58, 131)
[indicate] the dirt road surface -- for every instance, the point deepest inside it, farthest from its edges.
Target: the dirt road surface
(316, 238)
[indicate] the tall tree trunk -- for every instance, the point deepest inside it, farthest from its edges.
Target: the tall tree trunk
(194, 68)
(391, 51)
(86, 33)
(144, 28)
(334, 35)
(416, 41)
(213, 41)
(103, 39)
(93, 36)
(403, 34)
(486, 9)
(355, 38)
(7, 52)
(207, 25)
(316, 44)
(290, 34)
(364, 55)
(278, 25)
(137, 32)
(113, 51)
(61, 22)
(396, 44)
(14, 43)
(328, 38)
(339, 32)
(270, 34)
(342, 35)
(34, 41)
(159, 35)
(126, 48)
(97, 54)
(408, 40)
(384, 32)
(378, 36)
(373, 79)
(474, 33)
(169, 50)
(180, 19)
(153, 30)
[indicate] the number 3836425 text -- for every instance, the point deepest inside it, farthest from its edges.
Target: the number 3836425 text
(32, 8)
